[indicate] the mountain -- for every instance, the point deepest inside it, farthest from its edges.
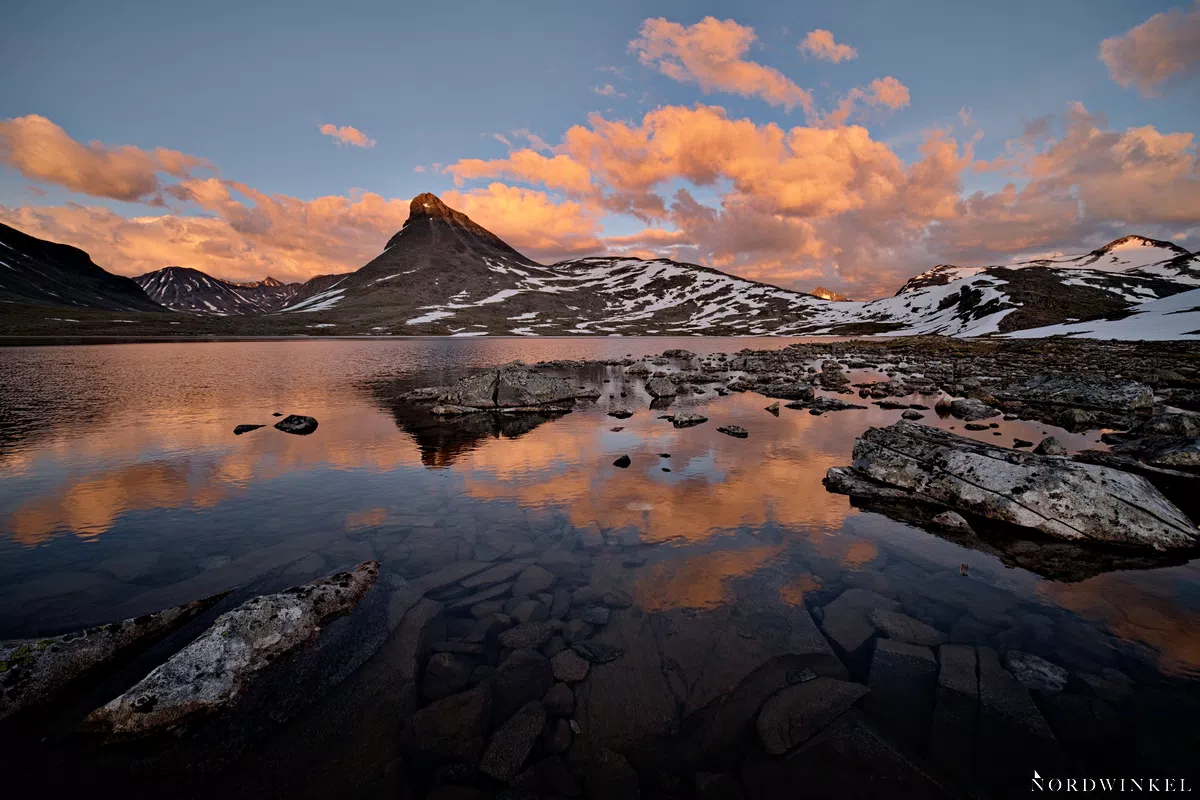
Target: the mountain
(185, 289)
(36, 272)
(826, 294)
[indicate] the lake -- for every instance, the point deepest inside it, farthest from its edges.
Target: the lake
(125, 491)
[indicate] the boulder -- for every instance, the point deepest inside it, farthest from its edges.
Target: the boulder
(297, 424)
(794, 715)
(559, 701)
(903, 628)
(521, 678)
(446, 674)
(623, 462)
(970, 409)
(1050, 446)
(788, 391)
(512, 743)
(529, 635)
(569, 666)
(1035, 672)
(687, 419)
(1014, 738)
(533, 580)
(213, 670)
(450, 730)
(847, 621)
(1161, 450)
(510, 387)
(1058, 497)
(736, 431)
(33, 671)
(1082, 391)
(660, 387)
(952, 522)
(902, 682)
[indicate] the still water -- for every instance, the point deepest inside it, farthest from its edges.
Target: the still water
(125, 491)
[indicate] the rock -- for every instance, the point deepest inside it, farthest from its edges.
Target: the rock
(1050, 446)
(1014, 738)
(569, 667)
(597, 652)
(736, 431)
(622, 462)
(521, 678)
(1082, 391)
(847, 624)
(450, 730)
(794, 715)
(209, 673)
(773, 408)
(512, 743)
(559, 701)
(297, 424)
(1034, 672)
(446, 674)
(686, 419)
(529, 611)
(970, 409)
(913, 415)
(620, 414)
(678, 352)
(660, 387)
(240, 429)
(33, 671)
(528, 635)
(1165, 451)
(903, 628)
(533, 580)
(500, 573)
(1058, 497)
(1075, 419)
(902, 682)
(788, 391)
(956, 711)
(576, 630)
(559, 740)
(595, 615)
(447, 576)
(639, 368)
(608, 776)
(510, 387)
(560, 561)
(547, 777)
(1170, 424)
(975, 426)
(952, 522)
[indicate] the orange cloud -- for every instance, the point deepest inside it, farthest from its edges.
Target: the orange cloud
(347, 135)
(711, 54)
(42, 151)
(556, 172)
(1148, 55)
(820, 44)
(531, 221)
(888, 92)
(608, 90)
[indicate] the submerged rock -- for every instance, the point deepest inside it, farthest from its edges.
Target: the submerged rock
(35, 670)
(512, 743)
(209, 673)
(1061, 498)
(297, 424)
(795, 714)
(1035, 672)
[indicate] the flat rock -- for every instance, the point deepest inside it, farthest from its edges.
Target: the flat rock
(450, 730)
(500, 573)
(33, 671)
(209, 673)
(956, 712)
(1083, 391)
(512, 743)
(686, 419)
(794, 715)
(446, 674)
(533, 580)
(902, 682)
(736, 431)
(903, 628)
(847, 621)
(1061, 498)
(787, 391)
(1035, 672)
(297, 424)
(521, 678)
(528, 635)
(569, 666)
(1014, 737)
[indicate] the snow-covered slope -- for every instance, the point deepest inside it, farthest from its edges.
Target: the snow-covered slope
(185, 289)
(1174, 317)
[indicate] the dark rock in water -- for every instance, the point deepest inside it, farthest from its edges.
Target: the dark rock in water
(903, 628)
(1061, 498)
(891, 405)
(913, 415)
(1082, 391)
(773, 408)
(569, 667)
(660, 387)
(975, 426)
(902, 683)
(678, 352)
(209, 673)
(528, 635)
(621, 414)
(956, 712)
(687, 419)
(446, 674)
(559, 701)
(970, 409)
(297, 424)
(717, 786)
(1014, 738)
(847, 620)
(597, 652)
(1018, 442)
(952, 522)
(797, 713)
(510, 387)
(1162, 450)
(533, 580)
(622, 462)
(787, 391)
(451, 730)
(512, 743)
(736, 431)
(33, 671)
(1050, 446)
(521, 678)
(240, 429)
(1035, 672)
(277, 414)
(1075, 419)
(608, 776)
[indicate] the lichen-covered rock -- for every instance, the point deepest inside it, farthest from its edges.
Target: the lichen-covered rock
(1082, 391)
(660, 387)
(970, 409)
(510, 387)
(687, 419)
(788, 391)
(209, 673)
(35, 670)
(1059, 497)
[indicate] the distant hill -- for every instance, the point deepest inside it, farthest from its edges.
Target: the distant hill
(186, 289)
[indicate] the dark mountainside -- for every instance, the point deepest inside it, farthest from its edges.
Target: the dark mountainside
(57, 275)
(186, 289)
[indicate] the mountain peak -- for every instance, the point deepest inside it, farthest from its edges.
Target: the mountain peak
(826, 294)
(440, 220)
(428, 204)
(1136, 240)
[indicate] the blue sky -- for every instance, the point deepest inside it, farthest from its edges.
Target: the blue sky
(246, 86)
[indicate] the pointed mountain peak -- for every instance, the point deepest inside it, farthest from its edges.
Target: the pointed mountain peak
(428, 204)
(428, 215)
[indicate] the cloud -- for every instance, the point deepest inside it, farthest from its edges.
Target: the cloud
(532, 221)
(888, 92)
(347, 135)
(820, 44)
(555, 172)
(711, 54)
(42, 151)
(607, 90)
(1162, 47)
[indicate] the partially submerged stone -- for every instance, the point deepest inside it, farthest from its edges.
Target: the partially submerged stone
(297, 424)
(1035, 672)
(33, 671)
(660, 387)
(240, 429)
(686, 419)
(970, 409)
(736, 431)
(1059, 497)
(209, 673)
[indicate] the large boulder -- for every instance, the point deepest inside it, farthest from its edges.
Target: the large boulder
(971, 409)
(1061, 498)
(1081, 391)
(510, 387)
(213, 670)
(660, 387)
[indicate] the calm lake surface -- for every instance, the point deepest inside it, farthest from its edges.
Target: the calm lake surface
(124, 491)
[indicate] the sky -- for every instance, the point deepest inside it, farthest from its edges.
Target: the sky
(849, 145)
